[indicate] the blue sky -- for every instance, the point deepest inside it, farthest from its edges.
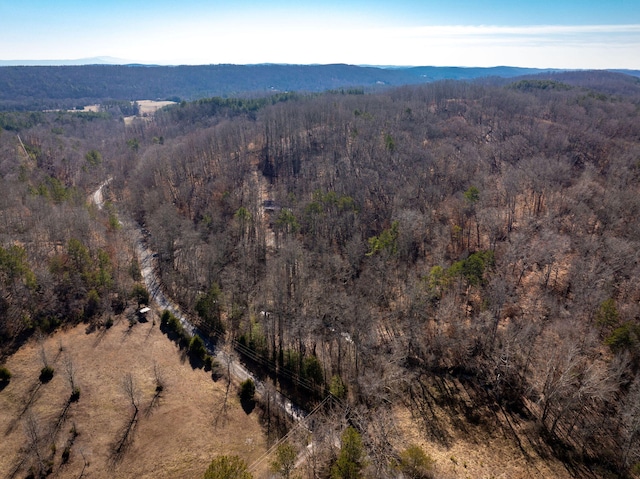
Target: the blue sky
(544, 33)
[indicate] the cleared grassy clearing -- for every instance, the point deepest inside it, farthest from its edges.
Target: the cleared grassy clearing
(177, 431)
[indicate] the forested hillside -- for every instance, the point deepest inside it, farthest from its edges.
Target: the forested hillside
(57, 87)
(453, 247)
(60, 260)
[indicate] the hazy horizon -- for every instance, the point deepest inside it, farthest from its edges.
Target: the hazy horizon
(567, 34)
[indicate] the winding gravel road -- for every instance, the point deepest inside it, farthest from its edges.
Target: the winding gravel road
(148, 268)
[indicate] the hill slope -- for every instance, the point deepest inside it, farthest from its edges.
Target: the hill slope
(178, 432)
(53, 86)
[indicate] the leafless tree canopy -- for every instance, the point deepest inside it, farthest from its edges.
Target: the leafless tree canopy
(465, 246)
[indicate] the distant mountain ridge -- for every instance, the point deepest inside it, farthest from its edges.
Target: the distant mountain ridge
(80, 61)
(47, 87)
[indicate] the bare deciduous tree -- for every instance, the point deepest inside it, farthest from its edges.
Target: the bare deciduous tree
(132, 395)
(35, 436)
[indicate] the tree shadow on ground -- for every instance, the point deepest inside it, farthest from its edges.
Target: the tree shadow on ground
(155, 400)
(248, 405)
(423, 402)
(533, 440)
(124, 439)
(28, 399)
(196, 361)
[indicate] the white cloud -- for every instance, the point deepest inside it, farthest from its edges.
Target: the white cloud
(466, 30)
(256, 41)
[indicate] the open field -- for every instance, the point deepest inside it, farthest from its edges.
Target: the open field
(176, 434)
(148, 107)
(477, 451)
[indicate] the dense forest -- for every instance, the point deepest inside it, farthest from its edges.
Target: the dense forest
(56, 87)
(471, 247)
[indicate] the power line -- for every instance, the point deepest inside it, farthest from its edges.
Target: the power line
(302, 423)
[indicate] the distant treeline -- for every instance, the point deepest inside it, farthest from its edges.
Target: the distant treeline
(49, 87)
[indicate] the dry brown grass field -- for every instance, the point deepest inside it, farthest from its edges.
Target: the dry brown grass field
(149, 107)
(176, 434)
(475, 452)
(147, 110)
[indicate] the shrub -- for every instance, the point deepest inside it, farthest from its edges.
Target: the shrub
(337, 387)
(93, 304)
(210, 363)
(285, 460)
(46, 374)
(473, 267)
(164, 317)
(227, 467)
(385, 241)
(350, 461)
(140, 294)
(208, 308)
(196, 348)
(415, 463)
(5, 375)
(119, 304)
(624, 337)
(312, 369)
(172, 326)
(75, 394)
(247, 395)
(247, 390)
(607, 315)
